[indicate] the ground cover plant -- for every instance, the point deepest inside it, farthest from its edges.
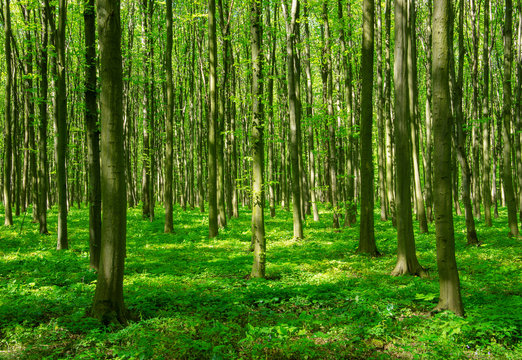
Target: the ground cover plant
(190, 297)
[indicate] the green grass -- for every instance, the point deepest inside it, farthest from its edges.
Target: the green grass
(193, 299)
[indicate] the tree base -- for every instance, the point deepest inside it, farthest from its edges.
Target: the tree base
(403, 268)
(473, 238)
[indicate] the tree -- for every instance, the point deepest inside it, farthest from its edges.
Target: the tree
(212, 121)
(258, 151)
(43, 177)
(407, 262)
(367, 233)
(449, 298)
(60, 124)
(93, 134)
(294, 113)
(507, 176)
(108, 299)
(7, 126)
(169, 123)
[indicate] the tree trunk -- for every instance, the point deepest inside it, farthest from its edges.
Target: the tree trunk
(407, 262)
(212, 122)
(380, 118)
(258, 151)
(309, 115)
(293, 114)
(93, 135)
(169, 124)
(7, 126)
(507, 176)
(449, 298)
(518, 111)
(42, 127)
(461, 135)
(389, 124)
(332, 153)
(413, 109)
(367, 233)
(60, 121)
(486, 175)
(108, 299)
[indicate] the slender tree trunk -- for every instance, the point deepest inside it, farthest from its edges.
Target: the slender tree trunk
(461, 135)
(475, 149)
(212, 122)
(449, 298)
(7, 126)
(169, 124)
(429, 143)
(108, 299)
(93, 135)
(367, 233)
(42, 127)
(293, 114)
(309, 114)
(413, 109)
(518, 111)
(380, 118)
(332, 158)
(486, 175)
(258, 151)
(507, 176)
(406, 258)
(388, 115)
(60, 120)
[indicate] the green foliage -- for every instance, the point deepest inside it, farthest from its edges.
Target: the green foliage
(189, 297)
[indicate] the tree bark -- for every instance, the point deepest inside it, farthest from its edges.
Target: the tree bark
(212, 122)
(43, 165)
(406, 258)
(507, 176)
(449, 298)
(60, 121)
(258, 151)
(380, 118)
(93, 135)
(169, 124)
(390, 193)
(108, 299)
(486, 175)
(291, 20)
(367, 232)
(461, 135)
(7, 127)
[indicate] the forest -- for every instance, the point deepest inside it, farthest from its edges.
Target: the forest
(261, 179)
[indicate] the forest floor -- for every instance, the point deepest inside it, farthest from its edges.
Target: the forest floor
(192, 299)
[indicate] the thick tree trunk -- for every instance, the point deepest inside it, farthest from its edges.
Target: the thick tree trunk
(212, 122)
(108, 299)
(449, 298)
(507, 176)
(258, 151)
(93, 135)
(60, 121)
(367, 232)
(169, 124)
(406, 258)
(475, 134)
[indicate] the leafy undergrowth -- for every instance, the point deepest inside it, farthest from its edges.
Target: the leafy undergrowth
(191, 297)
